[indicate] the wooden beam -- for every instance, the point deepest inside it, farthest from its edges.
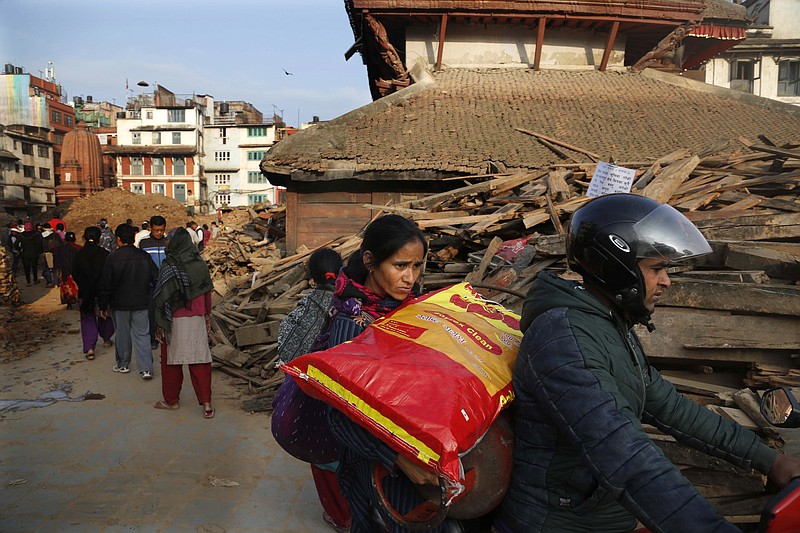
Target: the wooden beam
(442, 30)
(537, 58)
(572, 147)
(609, 46)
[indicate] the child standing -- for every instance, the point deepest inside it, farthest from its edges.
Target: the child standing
(299, 331)
(299, 334)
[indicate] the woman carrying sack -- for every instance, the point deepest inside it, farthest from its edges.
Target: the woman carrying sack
(63, 259)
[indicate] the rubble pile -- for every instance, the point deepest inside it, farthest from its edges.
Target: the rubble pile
(116, 205)
(9, 290)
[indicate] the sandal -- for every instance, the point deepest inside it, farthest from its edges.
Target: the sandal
(89, 355)
(161, 404)
(208, 413)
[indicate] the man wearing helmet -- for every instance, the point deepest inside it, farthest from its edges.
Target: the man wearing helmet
(582, 461)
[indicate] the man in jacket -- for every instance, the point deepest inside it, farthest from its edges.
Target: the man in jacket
(583, 386)
(155, 244)
(125, 286)
(51, 241)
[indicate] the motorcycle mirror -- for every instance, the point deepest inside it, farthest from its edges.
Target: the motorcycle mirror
(780, 408)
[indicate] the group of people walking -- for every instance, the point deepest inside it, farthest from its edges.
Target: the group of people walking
(138, 290)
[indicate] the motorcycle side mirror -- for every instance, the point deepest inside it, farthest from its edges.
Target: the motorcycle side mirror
(780, 408)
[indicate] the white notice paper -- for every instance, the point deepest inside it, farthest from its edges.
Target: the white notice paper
(609, 178)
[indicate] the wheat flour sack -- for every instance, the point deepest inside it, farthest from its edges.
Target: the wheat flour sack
(428, 379)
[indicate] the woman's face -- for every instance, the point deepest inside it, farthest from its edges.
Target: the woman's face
(396, 275)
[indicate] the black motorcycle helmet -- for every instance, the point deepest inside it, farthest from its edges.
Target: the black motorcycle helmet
(608, 236)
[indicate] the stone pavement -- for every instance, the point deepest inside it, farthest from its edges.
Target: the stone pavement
(117, 464)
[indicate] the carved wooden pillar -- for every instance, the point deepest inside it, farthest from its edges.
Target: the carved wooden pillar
(665, 48)
(390, 57)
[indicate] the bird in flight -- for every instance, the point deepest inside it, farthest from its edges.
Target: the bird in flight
(287, 72)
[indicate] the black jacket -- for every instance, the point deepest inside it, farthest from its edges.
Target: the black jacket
(128, 276)
(31, 244)
(582, 461)
(86, 270)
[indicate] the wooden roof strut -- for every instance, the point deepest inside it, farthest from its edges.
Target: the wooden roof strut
(442, 30)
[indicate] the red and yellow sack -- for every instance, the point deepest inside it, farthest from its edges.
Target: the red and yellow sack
(427, 379)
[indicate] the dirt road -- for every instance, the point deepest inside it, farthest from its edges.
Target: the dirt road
(82, 449)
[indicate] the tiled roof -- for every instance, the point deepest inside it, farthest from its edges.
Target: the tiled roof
(468, 118)
(724, 10)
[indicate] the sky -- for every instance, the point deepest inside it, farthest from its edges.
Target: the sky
(230, 49)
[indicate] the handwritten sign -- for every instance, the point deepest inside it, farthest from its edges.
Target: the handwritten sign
(609, 178)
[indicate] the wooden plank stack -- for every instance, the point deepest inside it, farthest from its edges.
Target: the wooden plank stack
(731, 319)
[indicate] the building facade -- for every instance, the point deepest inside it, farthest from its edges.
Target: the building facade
(237, 139)
(26, 170)
(160, 146)
(32, 104)
(96, 114)
(767, 62)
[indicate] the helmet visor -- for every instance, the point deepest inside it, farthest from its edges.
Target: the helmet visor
(666, 233)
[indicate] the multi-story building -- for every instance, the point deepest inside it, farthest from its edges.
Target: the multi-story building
(767, 62)
(237, 138)
(26, 169)
(28, 100)
(96, 114)
(160, 147)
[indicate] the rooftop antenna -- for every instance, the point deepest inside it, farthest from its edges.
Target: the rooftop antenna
(50, 72)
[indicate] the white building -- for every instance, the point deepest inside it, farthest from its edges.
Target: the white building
(237, 137)
(160, 146)
(767, 63)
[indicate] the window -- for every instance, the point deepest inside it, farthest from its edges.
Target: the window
(178, 166)
(253, 199)
(137, 137)
(137, 166)
(68, 120)
(222, 198)
(222, 156)
(149, 115)
(44, 151)
(222, 179)
(176, 115)
(257, 131)
(44, 173)
(28, 171)
(159, 188)
(223, 135)
(254, 176)
(158, 166)
(55, 116)
(156, 137)
(255, 155)
(27, 148)
(742, 75)
(176, 137)
(137, 188)
(789, 77)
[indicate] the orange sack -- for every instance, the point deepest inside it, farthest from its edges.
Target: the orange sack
(427, 379)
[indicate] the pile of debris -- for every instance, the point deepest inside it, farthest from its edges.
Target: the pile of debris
(116, 205)
(731, 319)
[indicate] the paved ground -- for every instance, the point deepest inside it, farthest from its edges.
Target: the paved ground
(117, 464)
